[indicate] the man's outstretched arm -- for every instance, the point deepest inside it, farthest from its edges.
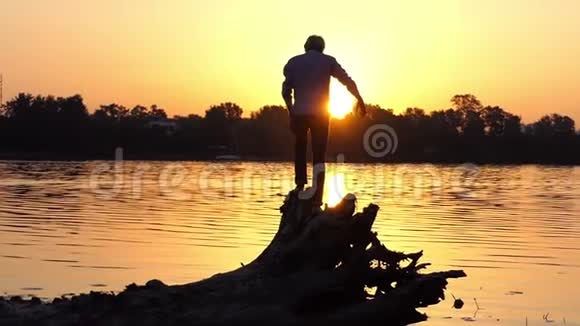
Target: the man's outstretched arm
(287, 87)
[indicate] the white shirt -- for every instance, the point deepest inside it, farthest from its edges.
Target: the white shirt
(308, 75)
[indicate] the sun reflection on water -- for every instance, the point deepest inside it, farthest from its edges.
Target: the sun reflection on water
(335, 188)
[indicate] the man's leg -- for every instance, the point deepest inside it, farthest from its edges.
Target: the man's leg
(300, 130)
(319, 132)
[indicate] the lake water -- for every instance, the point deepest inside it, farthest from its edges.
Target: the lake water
(71, 227)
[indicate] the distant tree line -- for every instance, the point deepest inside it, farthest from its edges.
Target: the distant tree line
(46, 127)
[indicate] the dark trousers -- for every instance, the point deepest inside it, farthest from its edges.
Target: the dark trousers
(318, 127)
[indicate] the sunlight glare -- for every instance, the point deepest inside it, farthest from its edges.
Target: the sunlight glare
(341, 101)
(335, 188)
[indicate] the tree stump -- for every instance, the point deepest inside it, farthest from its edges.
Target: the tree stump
(318, 269)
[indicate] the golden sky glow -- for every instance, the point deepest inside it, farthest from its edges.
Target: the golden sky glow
(185, 55)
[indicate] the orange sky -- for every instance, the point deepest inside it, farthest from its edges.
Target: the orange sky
(185, 55)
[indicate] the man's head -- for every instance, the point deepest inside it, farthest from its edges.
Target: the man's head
(314, 42)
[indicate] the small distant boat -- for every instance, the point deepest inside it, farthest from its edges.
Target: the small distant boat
(228, 158)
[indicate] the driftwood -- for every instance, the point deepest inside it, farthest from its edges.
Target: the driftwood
(318, 270)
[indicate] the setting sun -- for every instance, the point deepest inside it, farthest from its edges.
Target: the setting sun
(341, 101)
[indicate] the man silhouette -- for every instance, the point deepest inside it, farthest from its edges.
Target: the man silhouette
(308, 77)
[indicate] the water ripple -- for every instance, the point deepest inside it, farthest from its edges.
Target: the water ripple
(510, 225)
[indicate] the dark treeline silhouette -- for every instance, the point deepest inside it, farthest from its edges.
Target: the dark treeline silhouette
(46, 127)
